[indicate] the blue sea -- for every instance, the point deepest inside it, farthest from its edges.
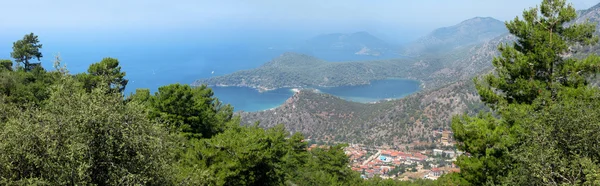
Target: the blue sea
(154, 63)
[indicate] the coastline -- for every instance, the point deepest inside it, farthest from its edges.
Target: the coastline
(341, 92)
(261, 88)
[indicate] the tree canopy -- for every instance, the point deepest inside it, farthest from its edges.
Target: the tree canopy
(535, 82)
(106, 72)
(26, 49)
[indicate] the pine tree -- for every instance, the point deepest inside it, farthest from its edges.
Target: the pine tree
(27, 49)
(533, 77)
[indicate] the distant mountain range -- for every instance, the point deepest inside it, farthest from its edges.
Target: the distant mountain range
(466, 33)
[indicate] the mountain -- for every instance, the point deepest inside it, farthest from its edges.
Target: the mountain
(359, 43)
(462, 51)
(412, 119)
(447, 90)
(300, 70)
(469, 32)
(592, 15)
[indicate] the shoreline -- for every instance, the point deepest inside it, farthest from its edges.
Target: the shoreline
(262, 89)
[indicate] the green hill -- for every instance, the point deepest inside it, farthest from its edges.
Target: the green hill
(299, 70)
(412, 119)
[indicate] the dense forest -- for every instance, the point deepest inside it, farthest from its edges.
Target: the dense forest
(58, 128)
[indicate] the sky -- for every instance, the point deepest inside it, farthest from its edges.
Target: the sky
(230, 18)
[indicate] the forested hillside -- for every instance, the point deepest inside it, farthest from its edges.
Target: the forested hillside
(325, 117)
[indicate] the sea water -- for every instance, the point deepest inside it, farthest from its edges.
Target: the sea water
(157, 63)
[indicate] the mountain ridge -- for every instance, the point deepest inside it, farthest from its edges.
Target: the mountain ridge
(468, 32)
(357, 43)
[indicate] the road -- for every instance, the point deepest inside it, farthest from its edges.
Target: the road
(371, 158)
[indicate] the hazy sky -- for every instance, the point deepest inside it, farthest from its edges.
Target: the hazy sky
(384, 17)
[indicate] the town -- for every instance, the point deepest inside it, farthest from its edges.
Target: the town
(410, 162)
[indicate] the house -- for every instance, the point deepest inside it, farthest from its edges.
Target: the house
(418, 157)
(435, 172)
(450, 154)
(437, 152)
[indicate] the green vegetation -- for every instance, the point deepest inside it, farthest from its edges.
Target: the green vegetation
(298, 70)
(58, 128)
(543, 129)
(27, 49)
(106, 71)
(63, 129)
(414, 118)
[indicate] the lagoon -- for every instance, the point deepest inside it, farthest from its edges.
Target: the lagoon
(250, 100)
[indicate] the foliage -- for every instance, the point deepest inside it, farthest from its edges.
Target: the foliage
(327, 166)
(6, 64)
(22, 87)
(78, 138)
(241, 156)
(106, 72)
(538, 94)
(192, 110)
(27, 49)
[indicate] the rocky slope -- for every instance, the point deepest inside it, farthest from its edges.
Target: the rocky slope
(411, 119)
